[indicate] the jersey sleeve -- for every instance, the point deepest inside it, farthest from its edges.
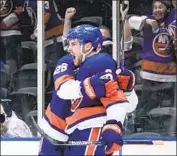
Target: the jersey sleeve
(107, 64)
(63, 71)
(53, 122)
(116, 106)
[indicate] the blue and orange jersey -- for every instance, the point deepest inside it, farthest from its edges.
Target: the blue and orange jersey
(158, 53)
(53, 25)
(87, 112)
(62, 73)
(54, 123)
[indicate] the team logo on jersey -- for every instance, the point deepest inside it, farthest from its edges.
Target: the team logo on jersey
(161, 44)
(6, 7)
(75, 104)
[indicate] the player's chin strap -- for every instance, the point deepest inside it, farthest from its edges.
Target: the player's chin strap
(86, 143)
(85, 54)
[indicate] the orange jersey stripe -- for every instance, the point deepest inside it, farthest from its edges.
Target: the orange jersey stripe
(55, 120)
(84, 113)
(169, 68)
(62, 79)
(94, 136)
(89, 89)
(118, 97)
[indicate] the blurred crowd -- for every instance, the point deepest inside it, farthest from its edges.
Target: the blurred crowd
(150, 52)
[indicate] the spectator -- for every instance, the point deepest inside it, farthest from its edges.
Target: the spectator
(28, 18)
(10, 33)
(53, 34)
(158, 61)
(10, 125)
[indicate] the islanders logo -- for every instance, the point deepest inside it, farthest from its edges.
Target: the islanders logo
(6, 7)
(161, 44)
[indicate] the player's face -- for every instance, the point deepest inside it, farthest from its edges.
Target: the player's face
(74, 49)
(159, 11)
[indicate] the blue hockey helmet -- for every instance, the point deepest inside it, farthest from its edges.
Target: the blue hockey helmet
(86, 33)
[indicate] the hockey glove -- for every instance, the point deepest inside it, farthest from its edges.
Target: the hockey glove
(99, 85)
(112, 136)
(126, 79)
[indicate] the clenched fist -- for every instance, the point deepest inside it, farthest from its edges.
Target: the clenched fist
(153, 23)
(70, 12)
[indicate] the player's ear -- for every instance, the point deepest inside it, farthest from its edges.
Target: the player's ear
(88, 46)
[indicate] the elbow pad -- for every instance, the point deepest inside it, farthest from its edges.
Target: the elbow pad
(70, 90)
(137, 22)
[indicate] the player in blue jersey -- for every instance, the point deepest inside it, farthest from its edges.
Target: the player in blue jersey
(54, 120)
(54, 123)
(94, 115)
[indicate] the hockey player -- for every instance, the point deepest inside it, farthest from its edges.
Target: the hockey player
(54, 123)
(91, 114)
(11, 126)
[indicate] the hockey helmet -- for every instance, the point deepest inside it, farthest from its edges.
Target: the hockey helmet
(86, 33)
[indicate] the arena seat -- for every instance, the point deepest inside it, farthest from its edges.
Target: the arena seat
(160, 120)
(29, 54)
(24, 100)
(26, 76)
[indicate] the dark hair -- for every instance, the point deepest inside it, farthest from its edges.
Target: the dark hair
(167, 3)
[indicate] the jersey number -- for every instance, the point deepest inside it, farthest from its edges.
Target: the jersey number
(46, 5)
(61, 68)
